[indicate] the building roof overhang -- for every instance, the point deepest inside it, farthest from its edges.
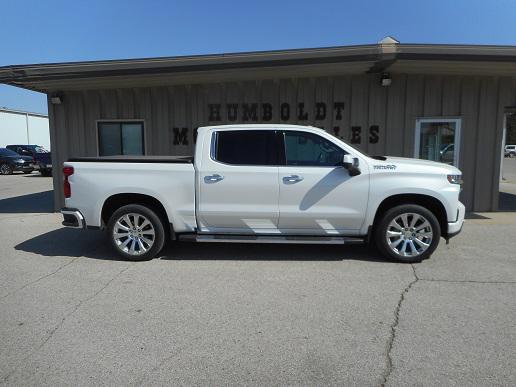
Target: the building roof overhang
(386, 56)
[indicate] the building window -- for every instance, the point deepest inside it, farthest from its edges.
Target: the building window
(438, 139)
(121, 138)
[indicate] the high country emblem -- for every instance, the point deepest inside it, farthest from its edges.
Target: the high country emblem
(388, 166)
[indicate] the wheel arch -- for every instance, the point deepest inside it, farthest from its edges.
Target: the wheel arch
(116, 201)
(431, 203)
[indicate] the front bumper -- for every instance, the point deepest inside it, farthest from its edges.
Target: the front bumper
(72, 218)
(455, 228)
(25, 167)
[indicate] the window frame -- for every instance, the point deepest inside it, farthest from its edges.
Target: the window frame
(214, 140)
(444, 119)
(283, 149)
(120, 121)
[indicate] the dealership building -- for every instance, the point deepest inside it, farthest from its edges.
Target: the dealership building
(439, 102)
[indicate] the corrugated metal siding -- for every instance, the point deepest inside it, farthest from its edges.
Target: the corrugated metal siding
(166, 110)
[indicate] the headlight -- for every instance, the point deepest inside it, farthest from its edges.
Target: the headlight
(455, 179)
(19, 161)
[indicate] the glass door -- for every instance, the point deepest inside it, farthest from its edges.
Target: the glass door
(438, 139)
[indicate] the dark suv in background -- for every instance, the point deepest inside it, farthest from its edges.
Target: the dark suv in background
(40, 156)
(11, 161)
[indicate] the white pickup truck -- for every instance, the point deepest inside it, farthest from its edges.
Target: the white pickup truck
(266, 183)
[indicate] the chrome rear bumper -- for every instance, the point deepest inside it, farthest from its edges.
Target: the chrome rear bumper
(72, 218)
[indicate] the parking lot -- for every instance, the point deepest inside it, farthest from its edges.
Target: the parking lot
(73, 313)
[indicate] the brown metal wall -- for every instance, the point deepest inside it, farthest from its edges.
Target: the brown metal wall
(480, 101)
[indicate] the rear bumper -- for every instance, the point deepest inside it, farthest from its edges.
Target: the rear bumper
(455, 228)
(72, 218)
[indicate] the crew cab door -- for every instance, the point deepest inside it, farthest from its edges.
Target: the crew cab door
(317, 196)
(238, 182)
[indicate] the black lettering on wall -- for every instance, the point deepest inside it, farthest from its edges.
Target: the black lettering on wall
(180, 136)
(320, 111)
(339, 107)
(373, 134)
(232, 111)
(285, 111)
(250, 112)
(214, 109)
(266, 111)
(356, 134)
(301, 114)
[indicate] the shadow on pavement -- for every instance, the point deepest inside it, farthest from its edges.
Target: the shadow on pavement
(95, 245)
(35, 202)
(507, 202)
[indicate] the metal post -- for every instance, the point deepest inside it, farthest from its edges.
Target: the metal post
(27, 127)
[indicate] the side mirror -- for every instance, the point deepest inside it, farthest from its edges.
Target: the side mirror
(351, 164)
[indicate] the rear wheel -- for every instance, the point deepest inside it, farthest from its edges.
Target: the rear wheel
(136, 232)
(46, 172)
(6, 169)
(407, 233)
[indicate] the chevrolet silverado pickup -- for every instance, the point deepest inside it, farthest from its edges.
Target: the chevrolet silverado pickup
(266, 184)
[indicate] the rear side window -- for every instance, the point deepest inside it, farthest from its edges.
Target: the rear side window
(311, 150)
(246, 147)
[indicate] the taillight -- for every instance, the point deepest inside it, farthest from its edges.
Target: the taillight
(67, 171)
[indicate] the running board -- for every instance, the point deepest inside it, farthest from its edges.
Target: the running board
(337, 240)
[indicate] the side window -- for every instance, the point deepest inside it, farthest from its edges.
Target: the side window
(246, 147)
(308, 149)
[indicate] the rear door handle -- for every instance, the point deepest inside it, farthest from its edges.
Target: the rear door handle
(213, 178)
(292, 179)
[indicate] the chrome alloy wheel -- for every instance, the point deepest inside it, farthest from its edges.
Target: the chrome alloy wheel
(409, 235)
(134, 234)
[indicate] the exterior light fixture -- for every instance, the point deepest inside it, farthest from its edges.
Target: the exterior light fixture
(56, 100)
(386, 79)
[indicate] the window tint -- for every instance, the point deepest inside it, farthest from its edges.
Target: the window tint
(308, 149)
(246, 147)
(120, 138)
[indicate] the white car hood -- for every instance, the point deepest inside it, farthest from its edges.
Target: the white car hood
(450, 169)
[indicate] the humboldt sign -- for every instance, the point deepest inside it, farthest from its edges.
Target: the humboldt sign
(264, 112)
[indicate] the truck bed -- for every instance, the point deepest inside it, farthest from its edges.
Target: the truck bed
(135, 159)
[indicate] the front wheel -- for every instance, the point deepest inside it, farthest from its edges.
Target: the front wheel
(136, 232)
(6, 169)
(407, 233)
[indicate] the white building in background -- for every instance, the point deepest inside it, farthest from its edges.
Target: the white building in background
(18, 127)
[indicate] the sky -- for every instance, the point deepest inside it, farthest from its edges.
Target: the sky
(35, 31)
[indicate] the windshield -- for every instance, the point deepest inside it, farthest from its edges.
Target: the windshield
(348, 144)
(38, 149)
(8, 152)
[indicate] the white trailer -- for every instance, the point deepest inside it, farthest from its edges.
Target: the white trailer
(19, 127)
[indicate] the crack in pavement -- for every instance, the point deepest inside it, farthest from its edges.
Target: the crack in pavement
(40, 278)
(394, 326)
(466, 281)
(389, 368)
(60, 324)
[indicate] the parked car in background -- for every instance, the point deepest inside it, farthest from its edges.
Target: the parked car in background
(510, 151)
(11, 161)
(41, 157)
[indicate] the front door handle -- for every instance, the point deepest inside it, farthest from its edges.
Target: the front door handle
(292, 179)
(213, 178)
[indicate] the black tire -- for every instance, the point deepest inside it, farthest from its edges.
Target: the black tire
(6, 169)
(414, 212)
(46, 172)
(139, 236)
(27, 172)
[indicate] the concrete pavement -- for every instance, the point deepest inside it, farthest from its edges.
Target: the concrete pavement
(73, 313)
